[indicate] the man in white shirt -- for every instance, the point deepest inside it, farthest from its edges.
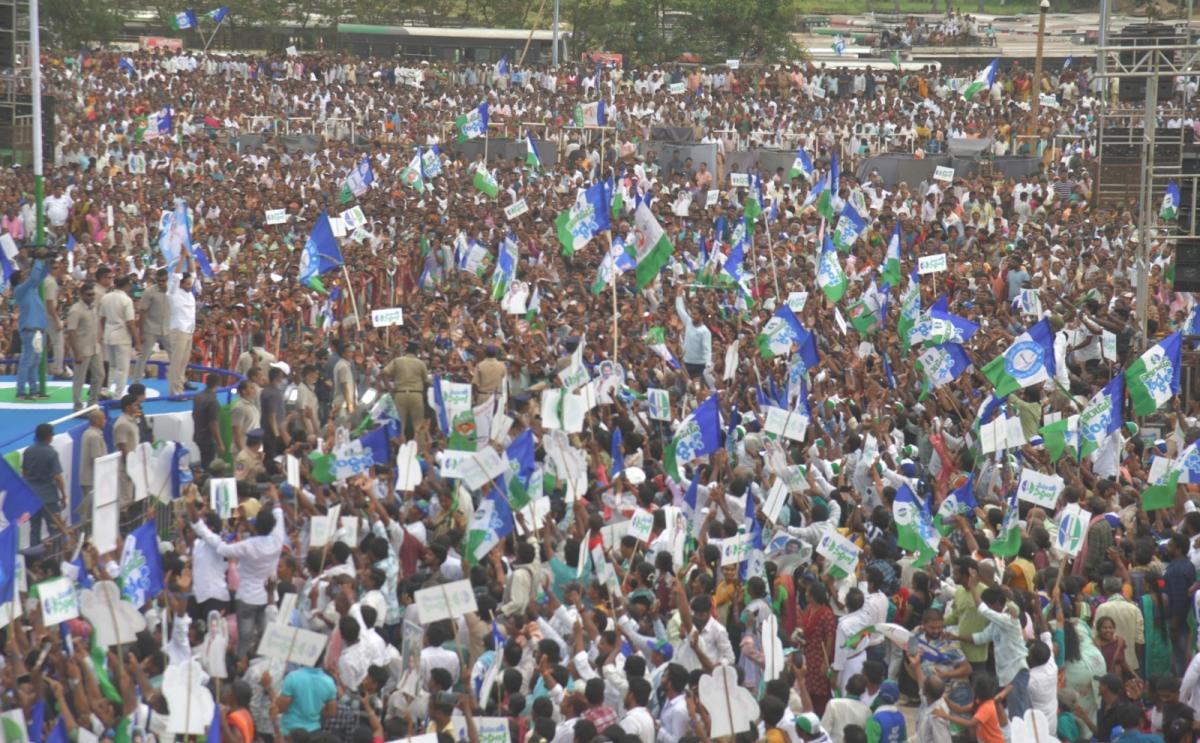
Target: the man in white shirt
(209, 568)
(637, 720)
(675, 720)
(355, 657)
(182, 303)
(433, 655)
(58, 208)
(258, 560)
(706, 644)
(848, 661)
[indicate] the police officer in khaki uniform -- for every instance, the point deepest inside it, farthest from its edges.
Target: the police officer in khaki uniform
(248, 464)
(407, 376)
(489, 375)
(83, 338)
(156, 321)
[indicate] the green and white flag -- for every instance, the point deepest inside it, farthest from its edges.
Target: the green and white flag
(910, 308)
(651, 248)
(982, 82)
(411, 175)
(473, 124)
(1153, 379)
(485, 181)
(830, 276)
(1061, 437)
(1028, 361)
(1170, 202)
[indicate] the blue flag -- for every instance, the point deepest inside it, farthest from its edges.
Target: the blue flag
(141, 572)
(59, 733)
(1102, 416)
(126, 66)
(960, 501)
(37, 720)
(491, 523)
(71, 243)
(943, 363)
(960, 330)
(502, 66)
(8, 563)
(214, 727)
(598, 197)
(802, 166)
(699, 434)
(321, 254)
(377, 443)
(20, 502)
(521, 451)
(1067, 63)
(219, 14)
(693, 492)
(618, 456)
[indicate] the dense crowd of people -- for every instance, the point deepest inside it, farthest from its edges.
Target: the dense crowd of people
(655, 458)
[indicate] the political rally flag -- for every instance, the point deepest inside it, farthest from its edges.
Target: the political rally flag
(141, 571)
(1154, 378)
(321, 254)
(830, 276)
(1170, 202)
(982, 82)
(490, 524)
(1102, 416)
(473, 124)
(802, 166)
(651, 247)
(182, 20)
(891, 262)
(699, 434)
(587, 217)
(1028, 361)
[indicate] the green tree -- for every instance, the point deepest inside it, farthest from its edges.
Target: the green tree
(69, 23)
(746, 29)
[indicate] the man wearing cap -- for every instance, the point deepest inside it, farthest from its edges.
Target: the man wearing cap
(155, 310)
(125, 438)
(406, 377)
(887, 722)
(489, 375)
(808, 728)
(248, 464)
(83, 338)
(245, 415)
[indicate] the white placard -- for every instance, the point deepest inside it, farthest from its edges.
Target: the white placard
(222, 495)
(786, 423)
(581, 562)
(600, 567)
(277, 216)
(337, 226)
(733, 64)
(1048, 101)
(739, 180)
(58, 599)
(611, 533)
(713, 198)
(408, 469)
(1072, 528)
(735, 549)
(839, 551)
(322, 527)
(816, 91)
(291, 51)
(1039, 489)
(512, 211)
(445, 601)
(732, 360)
(660, 404)
(292, 463)
(641, 525)
(354, 218)
(106, 508)
(487, 729)
(776, 498)
(475, 469)
(678, 88)
(1108, 345)
(931, 263)
(291, 644)
(943, 173)
(796, 301)
(387, 317)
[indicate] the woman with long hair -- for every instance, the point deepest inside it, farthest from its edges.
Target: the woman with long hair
(1084, 664)
(819, 626)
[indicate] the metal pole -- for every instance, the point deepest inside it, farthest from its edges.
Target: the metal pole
(1101, 57)
(1036, 90)
(554, 48)
(1145, 197)
(39, 186)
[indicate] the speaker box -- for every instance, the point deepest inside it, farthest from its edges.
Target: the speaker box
(1133, 90)
(1187, 265)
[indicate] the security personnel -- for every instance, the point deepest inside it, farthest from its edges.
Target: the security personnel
(489, 375)
(407, 377)
(248, 464)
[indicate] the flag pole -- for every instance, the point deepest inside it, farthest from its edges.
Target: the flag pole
(39, 186)
(615, 275)
(353, 300)
(771, 255)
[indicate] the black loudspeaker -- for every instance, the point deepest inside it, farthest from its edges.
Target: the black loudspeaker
(1187, 265)
(1133, 89)
(25, 108)
(8, 34)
